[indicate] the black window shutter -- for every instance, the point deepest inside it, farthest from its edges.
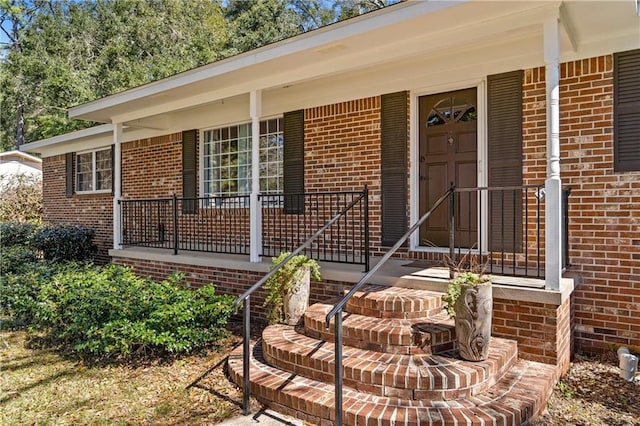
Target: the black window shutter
(504, 128)
(189, 167)
(69, 174)
(293, 185)
(393, 126)
(626, 110)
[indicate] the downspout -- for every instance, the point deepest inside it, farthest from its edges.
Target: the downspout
(255, 215)
(553, 184)
(117, 185)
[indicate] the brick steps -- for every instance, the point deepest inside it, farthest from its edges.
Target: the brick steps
(405, 376)
(518, 396)
(399, 366)
(395, 302)
(390, 335)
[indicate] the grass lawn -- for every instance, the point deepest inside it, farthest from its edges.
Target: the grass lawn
(38, 386)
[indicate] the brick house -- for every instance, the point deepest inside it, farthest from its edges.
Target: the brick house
(530, 109)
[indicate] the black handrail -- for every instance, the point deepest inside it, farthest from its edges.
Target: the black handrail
(336, 311)
(247, 301)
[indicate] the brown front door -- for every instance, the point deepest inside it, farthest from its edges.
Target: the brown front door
(448, 153)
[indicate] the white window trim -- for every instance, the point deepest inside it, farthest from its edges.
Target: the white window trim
(93, 172)
(201, 161)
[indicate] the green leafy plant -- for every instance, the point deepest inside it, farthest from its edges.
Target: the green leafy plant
(110, 312)
(16, 234)
(284, 281)
(468, 272)
(454, 289)
(65, 243)
(16, 258)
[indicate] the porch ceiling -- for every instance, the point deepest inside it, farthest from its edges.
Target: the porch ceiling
(369, 45)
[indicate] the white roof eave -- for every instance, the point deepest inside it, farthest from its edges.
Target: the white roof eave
(88, 133)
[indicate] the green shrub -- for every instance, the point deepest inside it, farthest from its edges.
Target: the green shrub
(15, 259)
(20, 292)
(65, 243)
(110, 312)
(16, 234)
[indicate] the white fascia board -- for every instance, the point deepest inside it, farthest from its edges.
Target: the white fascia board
(91, 138)
(89, 133)
(321, 37)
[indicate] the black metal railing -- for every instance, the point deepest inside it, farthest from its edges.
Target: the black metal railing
(336, 311)
(289, 219)
(245, 299)
(512, 221)
(511, 218)
(209, 224)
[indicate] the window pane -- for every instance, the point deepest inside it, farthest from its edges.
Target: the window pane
(103, 169)
(84, 172)
(227, 159)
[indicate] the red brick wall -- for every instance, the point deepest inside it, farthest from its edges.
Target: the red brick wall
(152, 168)
(604, 205)
(541, 330)
(342, 152)
(91, 210)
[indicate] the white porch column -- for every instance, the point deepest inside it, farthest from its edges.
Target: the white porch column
(255, 218)
(553, 185)
(117, 184)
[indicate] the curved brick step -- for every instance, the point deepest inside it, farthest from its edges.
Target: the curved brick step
(390, 335)
(442, 376)
(395, 302)
(519, 396)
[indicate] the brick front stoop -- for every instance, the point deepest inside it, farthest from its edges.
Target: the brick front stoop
(400, 367)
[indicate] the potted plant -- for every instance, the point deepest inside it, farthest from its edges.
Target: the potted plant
(287, 291)
(469, 302)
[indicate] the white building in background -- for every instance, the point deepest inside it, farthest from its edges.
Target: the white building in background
(16, 162)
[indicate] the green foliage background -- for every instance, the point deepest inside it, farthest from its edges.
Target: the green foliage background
(63, 53)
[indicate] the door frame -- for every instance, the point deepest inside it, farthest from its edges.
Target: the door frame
(414, 154)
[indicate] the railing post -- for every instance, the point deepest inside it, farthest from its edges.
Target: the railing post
(175, 224)
(452, 224)
(338, 367)
(246, 334)
(565, 227)
(366, 228)
(121, 230)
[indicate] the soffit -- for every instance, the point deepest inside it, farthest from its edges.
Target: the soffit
(380, 38)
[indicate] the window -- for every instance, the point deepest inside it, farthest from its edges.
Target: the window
(94, 171)
(626, 111)
(227, 159)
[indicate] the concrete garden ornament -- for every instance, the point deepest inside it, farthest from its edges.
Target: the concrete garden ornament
(287, 291)
(469, 301)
